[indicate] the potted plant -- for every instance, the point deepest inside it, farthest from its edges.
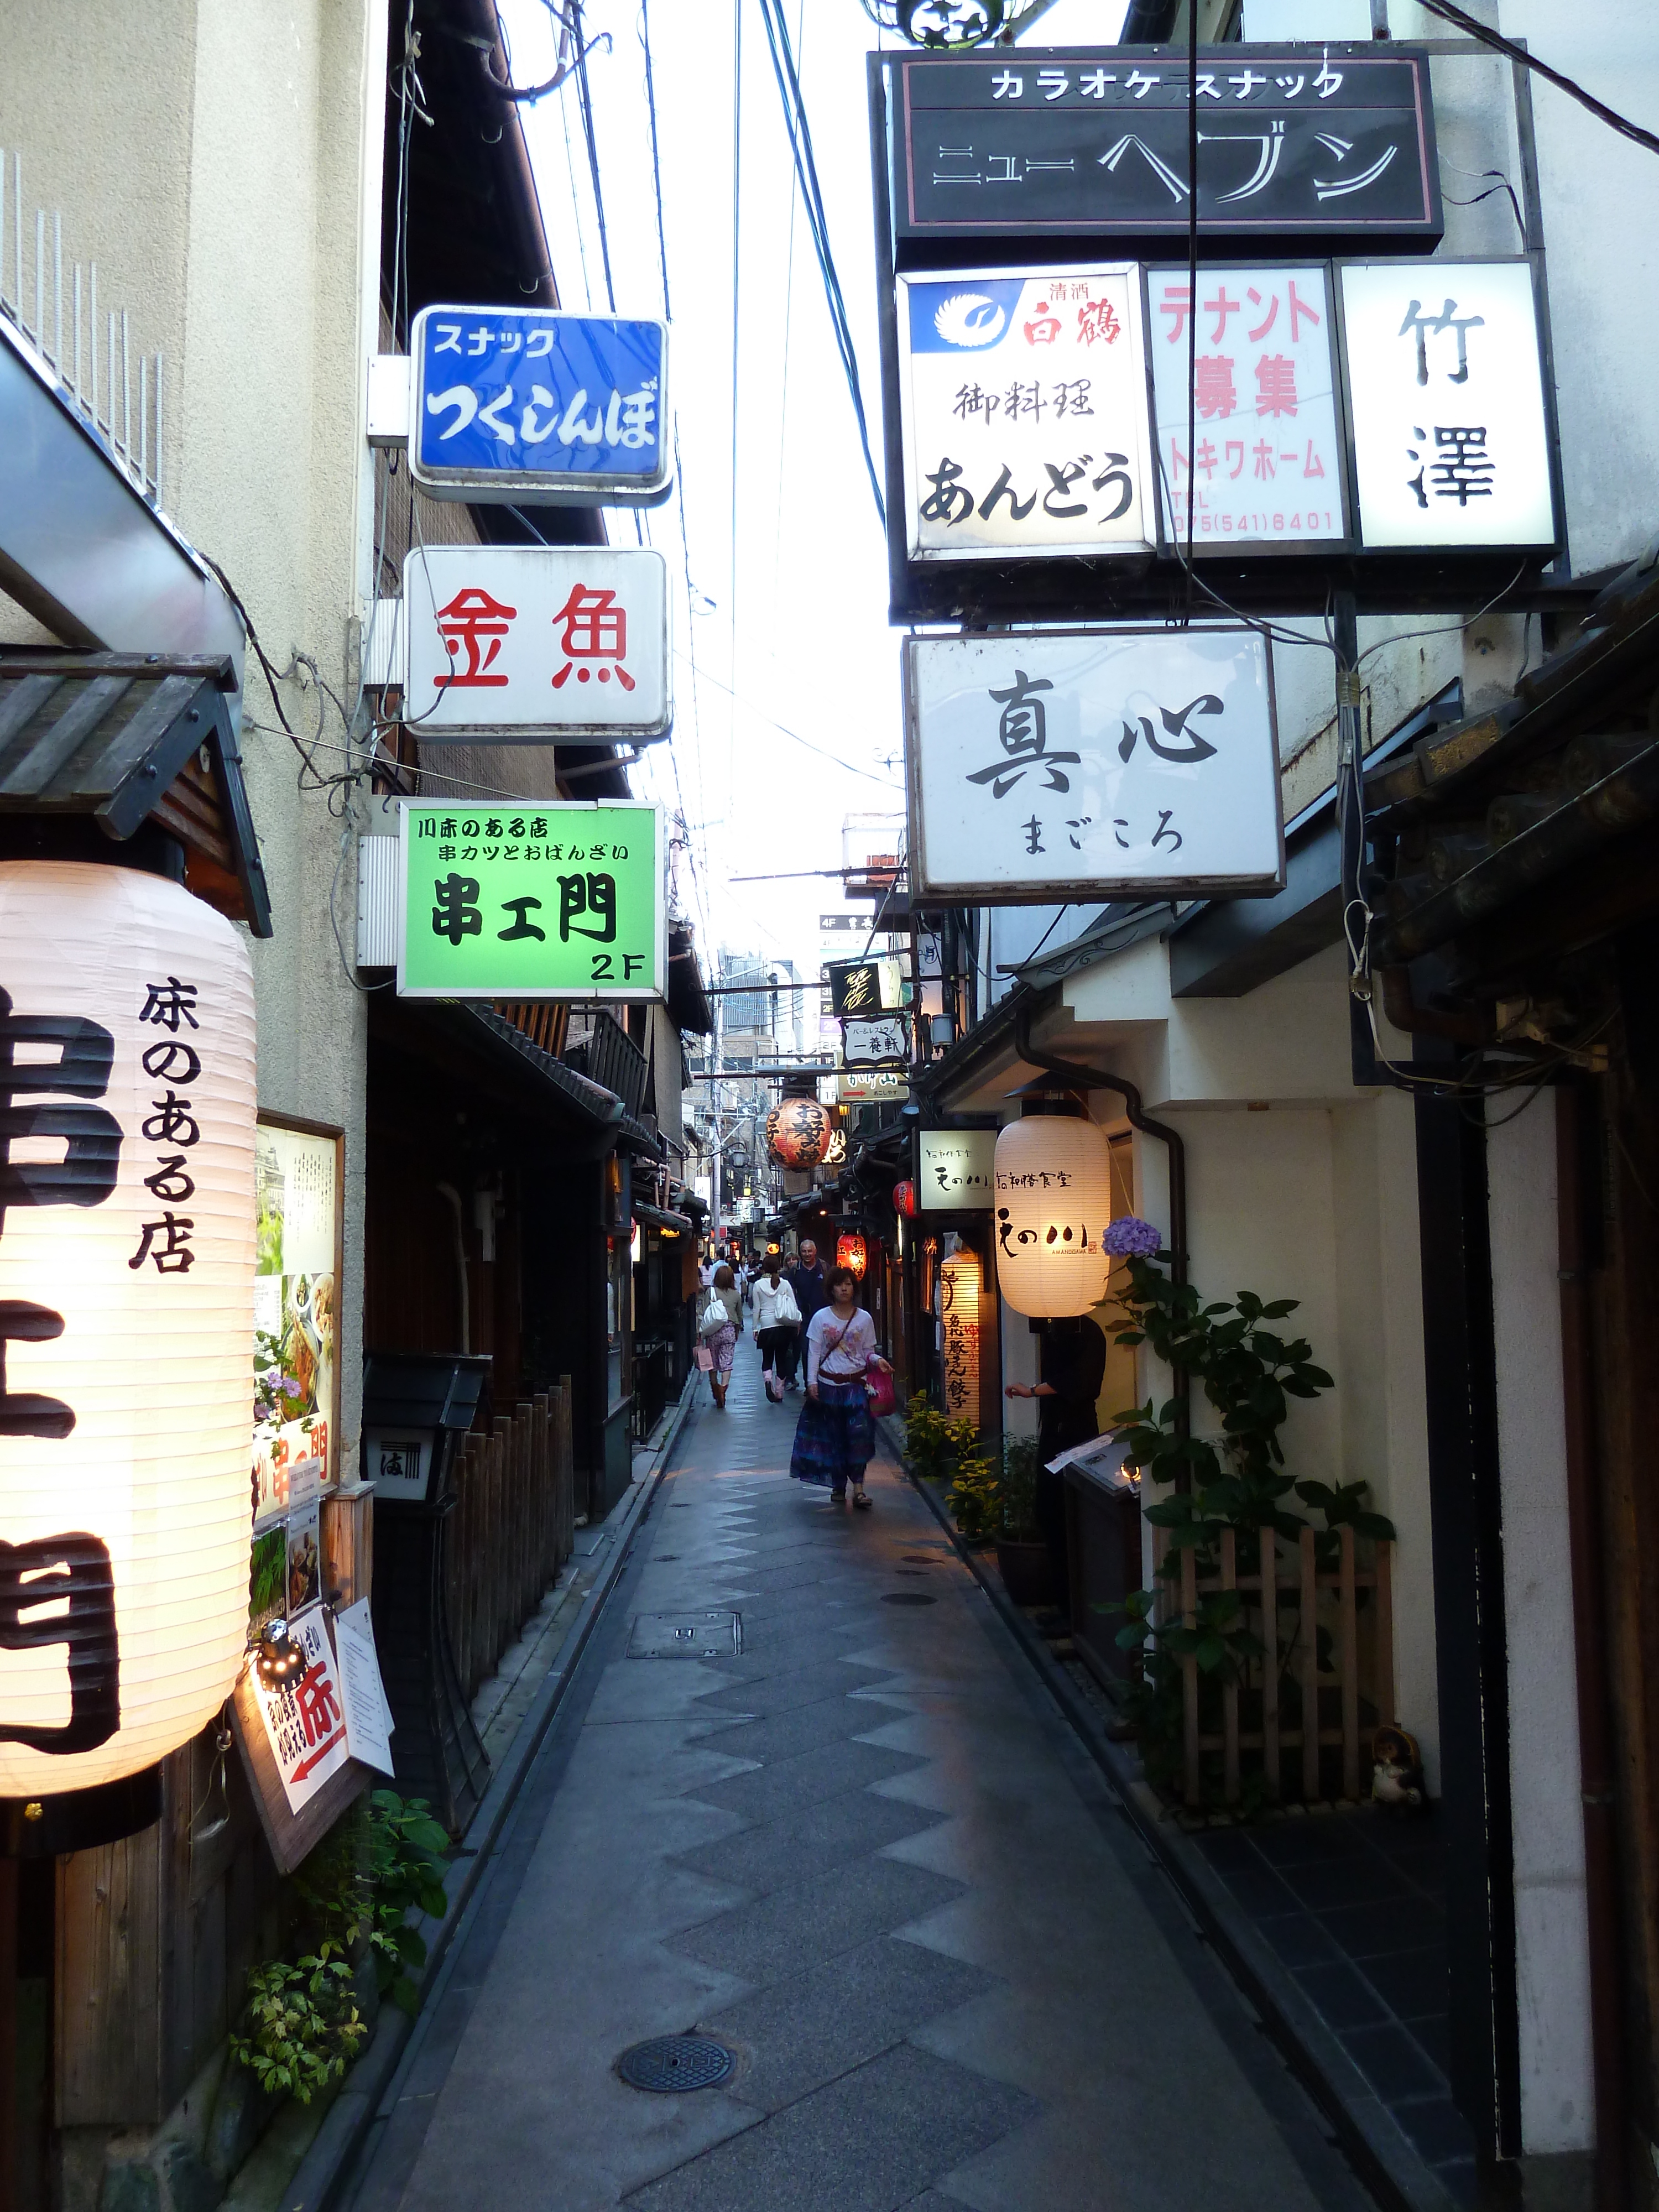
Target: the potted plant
(1023, 1559)
(977, 1499)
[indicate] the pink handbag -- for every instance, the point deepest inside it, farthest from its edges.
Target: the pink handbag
(879, 1387)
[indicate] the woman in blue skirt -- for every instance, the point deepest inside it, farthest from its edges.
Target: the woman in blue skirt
(835, 1440)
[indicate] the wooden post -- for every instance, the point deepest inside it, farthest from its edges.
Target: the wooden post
(1383, 1648)
(1189, 1677)
(1270, 1751)
(1309, 1670)
(1229, 1688)
(1350, 1634)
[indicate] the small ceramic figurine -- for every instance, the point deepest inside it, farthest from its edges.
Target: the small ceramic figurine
(1396, 1770)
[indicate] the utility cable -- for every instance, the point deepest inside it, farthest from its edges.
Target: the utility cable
(1462, 20)
(585, 94)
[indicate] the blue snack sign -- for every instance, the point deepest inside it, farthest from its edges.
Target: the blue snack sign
(515, 403)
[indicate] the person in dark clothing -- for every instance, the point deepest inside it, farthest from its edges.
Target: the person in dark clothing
(1073, 1367)
(806, 1279)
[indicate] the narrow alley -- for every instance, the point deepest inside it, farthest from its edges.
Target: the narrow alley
(866, 1856)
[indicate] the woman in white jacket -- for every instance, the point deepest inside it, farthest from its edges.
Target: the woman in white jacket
(777, 1319)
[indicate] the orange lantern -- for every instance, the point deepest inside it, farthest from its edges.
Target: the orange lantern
(797, 1131)
(904, 1199)
(851, 1251)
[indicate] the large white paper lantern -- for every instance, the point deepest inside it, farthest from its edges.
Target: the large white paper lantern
(1053, 1203)
(126, 1305)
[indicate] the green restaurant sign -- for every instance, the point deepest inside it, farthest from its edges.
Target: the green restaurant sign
(563, 900)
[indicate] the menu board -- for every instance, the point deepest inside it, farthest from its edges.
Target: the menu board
(295, 1306)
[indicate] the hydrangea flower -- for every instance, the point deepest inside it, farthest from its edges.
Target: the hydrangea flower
(1131, 1238)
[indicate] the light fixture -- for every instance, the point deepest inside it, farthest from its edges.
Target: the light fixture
(1054, 1202)
(961, 1280)
(851, 1251)
(904, 1199)
(127, 1213)
(278, 1659)
(797, 1131)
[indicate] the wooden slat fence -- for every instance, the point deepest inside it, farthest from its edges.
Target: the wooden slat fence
(1263, 1708)
(514, 1528)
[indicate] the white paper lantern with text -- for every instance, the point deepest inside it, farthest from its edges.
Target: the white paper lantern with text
(1054, 1204)
(126, 1310)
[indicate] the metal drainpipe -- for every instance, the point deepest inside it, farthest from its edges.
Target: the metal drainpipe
(1100, 1078)
(448, 1190)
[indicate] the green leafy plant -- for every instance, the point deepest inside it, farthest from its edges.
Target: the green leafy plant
(977, 1499)
(358, 1887)
(1020, 1462)
(932, 1445)
(1249, 1373)
(303, 2026)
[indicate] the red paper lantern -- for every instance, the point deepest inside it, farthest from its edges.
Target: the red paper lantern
(797, 1131)
(851, 1252)
(904, 1199)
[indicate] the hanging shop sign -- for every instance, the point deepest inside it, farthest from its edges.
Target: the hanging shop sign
(797, 1133)
(1451, 435)
(526, 403)
(296, 1428)
(1054, 1204)
(1294, 141)
(961, 1283)
(865, 988)
(523, 643)
(1023, 406)
(126, 1305)
(1267, 463)
(883, 1043)
(560, 900)
(872, 1086)
(1092, 764)
(852, 1251)
(304, 1713)
(955, 1169)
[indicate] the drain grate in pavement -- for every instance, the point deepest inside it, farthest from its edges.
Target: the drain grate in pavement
(686, 1636)
(668, 2063)
(907, 1597)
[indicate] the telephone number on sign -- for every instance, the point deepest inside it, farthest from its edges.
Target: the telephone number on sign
(1259, 525)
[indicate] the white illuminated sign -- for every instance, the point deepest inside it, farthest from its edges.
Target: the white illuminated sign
(1268, 439)
(1446, 393)
(955, 1169)
(1024, 419)
(1092, 764)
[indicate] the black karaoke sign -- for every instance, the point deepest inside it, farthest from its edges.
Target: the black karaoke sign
(1307, 141)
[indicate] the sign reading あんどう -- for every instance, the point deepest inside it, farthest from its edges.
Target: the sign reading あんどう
(563, 900)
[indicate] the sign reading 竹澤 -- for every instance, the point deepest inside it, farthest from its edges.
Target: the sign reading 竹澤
(1451, 435)
(1023, 408)
(1092, 764)
(531, 641)
(559, 901)
(1268, 469)
(516, 402)
(956, 1171)
(1293, 142)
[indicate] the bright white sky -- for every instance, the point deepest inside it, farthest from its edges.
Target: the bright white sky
(787, 608)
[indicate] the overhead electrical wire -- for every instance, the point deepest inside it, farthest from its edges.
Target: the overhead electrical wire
(585, 94)
(800, 146)
(1459, 18)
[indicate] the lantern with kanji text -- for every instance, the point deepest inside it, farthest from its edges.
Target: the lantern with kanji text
(851, 1251)
(1054, 1202)
(904, 1199)
(797, 1131)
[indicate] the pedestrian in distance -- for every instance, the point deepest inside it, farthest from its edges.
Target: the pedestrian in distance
(834, 1437)
(806, 1279)
(777, 1324)
(719, 1325)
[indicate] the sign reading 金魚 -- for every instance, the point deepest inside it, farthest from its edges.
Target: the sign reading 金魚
(515, 403)
(1293, 142)
(1267, 453)
(559, 901)
(1445, 384)
(957, 1170)
(1023, 406)
(1092, 764)
(529, 641)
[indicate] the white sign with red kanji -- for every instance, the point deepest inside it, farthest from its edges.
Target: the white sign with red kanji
(1267, 436)
(1451, 435)
(522, 643)
(305, 1718)
(1024, 408)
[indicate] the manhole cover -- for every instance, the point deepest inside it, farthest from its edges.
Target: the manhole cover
(671, 2063)
(907, 1597)
(686, 1636)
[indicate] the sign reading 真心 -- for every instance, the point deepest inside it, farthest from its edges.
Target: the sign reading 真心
(1293, 142)
(1023, 401)
(1093, 765)
(957, 1170)
(516, 402)
(558, 901)
(529, 641)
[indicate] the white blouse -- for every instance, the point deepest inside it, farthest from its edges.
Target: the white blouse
(849, 1349)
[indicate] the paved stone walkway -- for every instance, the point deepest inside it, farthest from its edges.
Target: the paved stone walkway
(869, 1856)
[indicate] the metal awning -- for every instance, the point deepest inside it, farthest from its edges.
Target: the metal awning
(656, 1217)
(126, 739)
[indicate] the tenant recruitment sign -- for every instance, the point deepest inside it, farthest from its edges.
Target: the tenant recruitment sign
(1092, 764)
(515, 901)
